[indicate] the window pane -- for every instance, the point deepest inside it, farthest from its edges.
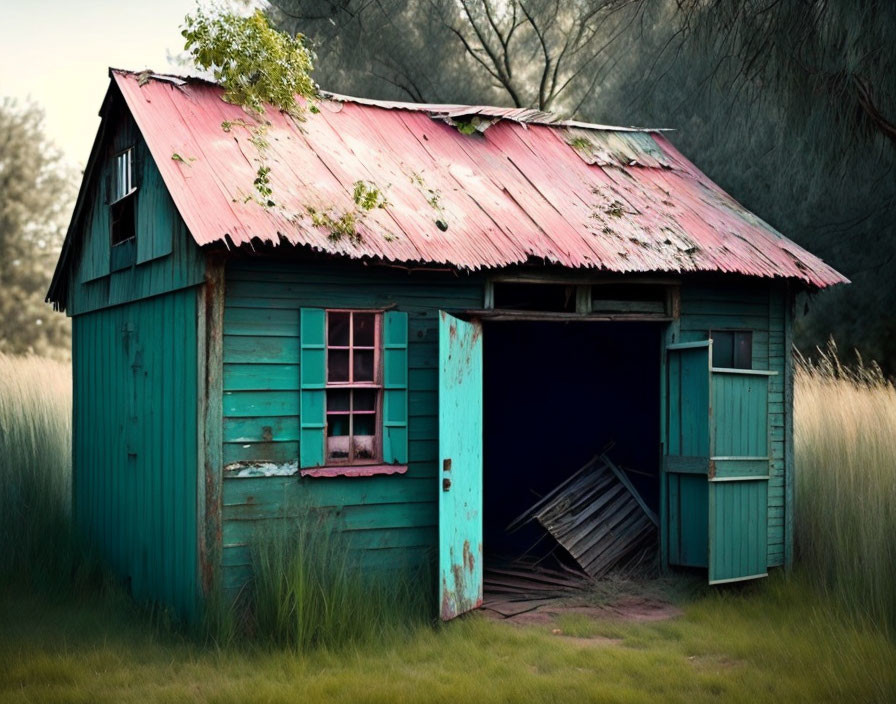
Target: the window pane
(337, 365)
(365, 447)
(365, 399)
(337, 447)
(365, 423)
(364, 332)
(363, 365)
(337, 424)
(364, 440)
(743, 350)
(338, 399)
(722, 349)
(337, 329)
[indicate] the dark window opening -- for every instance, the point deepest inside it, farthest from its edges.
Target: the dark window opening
(124, 226)
(353, 388)
(555, 298)
(732, 349)
(628, 298)
(122, 198)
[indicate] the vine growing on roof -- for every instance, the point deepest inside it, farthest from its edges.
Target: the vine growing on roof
(256, 65)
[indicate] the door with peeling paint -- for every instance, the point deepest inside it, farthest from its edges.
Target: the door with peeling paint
(716, 465)
(460, 465)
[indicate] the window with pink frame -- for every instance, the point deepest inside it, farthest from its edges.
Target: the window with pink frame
(353, 387)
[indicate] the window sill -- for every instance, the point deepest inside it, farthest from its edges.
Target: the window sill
(364, 470)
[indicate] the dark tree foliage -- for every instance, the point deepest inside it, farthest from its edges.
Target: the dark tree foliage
(787, 104)
(547, 54)
(36, 195)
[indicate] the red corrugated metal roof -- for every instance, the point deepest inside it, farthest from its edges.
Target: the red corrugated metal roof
(527, 187)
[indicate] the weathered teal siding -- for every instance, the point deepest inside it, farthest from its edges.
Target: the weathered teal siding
(166, 258)
(393, 518)
(758, 306)
(135, 443)
(135, 368)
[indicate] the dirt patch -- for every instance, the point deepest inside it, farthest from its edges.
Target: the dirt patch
(636, 609)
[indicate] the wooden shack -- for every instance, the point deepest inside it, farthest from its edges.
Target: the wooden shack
(414, 318)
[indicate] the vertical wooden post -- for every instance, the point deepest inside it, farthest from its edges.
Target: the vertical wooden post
(211, 407)
(670, 336)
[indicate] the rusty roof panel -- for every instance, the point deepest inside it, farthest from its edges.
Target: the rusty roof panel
(527, 187)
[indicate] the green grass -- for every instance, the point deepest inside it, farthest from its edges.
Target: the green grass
(845, 511)
(309, 592)
(770, 642)
(316, 630)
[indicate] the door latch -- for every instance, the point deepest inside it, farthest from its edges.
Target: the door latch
(446, 467)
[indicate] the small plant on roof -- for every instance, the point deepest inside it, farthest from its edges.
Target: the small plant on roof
(252, 61)
(366, 197)
(257, 66)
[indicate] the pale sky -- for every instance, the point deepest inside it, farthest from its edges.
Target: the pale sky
(58, 53)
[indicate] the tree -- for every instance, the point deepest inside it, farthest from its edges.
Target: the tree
(36, 197)
(528, 53)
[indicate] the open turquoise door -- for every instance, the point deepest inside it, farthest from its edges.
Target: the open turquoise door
(716, 465)
(460, 465)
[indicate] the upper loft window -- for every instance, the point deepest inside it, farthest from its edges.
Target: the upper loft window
(353, 387)
(540, 297)
(122, 198)
(732, 349)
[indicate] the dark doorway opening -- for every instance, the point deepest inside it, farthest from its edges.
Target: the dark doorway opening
(555, 394)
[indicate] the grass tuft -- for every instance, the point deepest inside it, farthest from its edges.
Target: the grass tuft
(310, 591)
(845, 511)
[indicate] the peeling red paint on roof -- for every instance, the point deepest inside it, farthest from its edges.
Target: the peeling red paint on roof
(528, 187)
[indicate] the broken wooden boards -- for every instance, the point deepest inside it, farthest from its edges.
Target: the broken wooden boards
(597, 516)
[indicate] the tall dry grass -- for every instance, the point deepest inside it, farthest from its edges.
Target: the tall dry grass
(35, 468)
(845, 507)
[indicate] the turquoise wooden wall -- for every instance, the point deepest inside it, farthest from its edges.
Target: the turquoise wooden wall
(134, 359)
(135, 443)
(394, 517)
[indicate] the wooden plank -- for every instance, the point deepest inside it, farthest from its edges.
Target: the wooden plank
(251, 404)
(261, 497)
(261, 349)
(256, 376)
(272, 322)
